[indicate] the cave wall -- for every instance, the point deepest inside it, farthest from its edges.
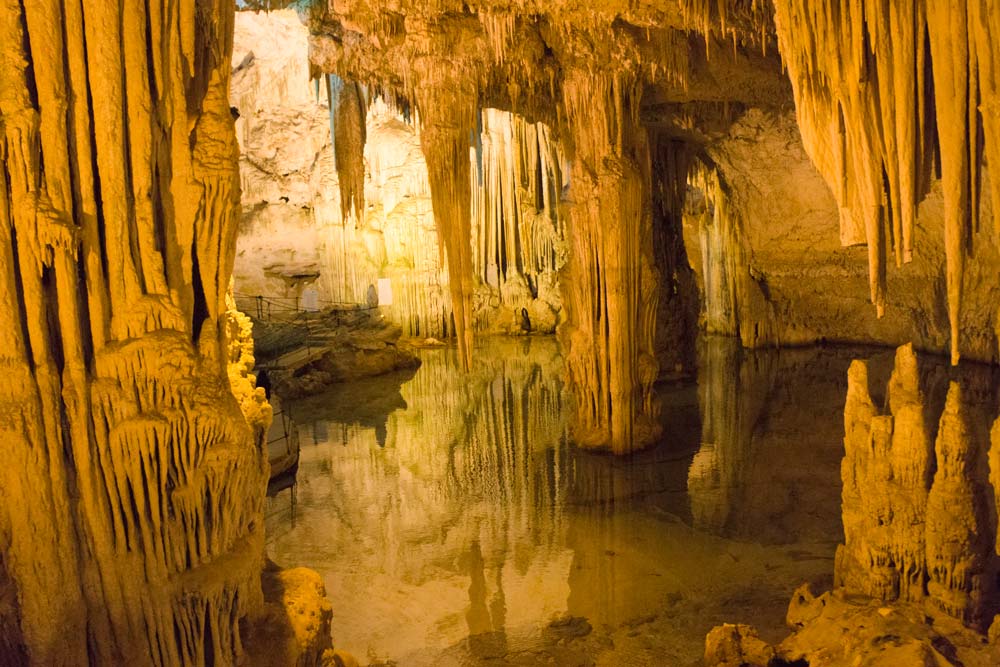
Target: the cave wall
(131, 494)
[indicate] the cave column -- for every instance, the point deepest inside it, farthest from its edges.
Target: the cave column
(131, 493)
(610, 285)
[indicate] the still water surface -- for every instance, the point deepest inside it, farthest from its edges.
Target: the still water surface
(454, 524)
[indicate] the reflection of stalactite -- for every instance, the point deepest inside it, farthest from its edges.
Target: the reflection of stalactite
(610, 284)
(875, 142)
(906, 537)
(496, 434)
(733, 390)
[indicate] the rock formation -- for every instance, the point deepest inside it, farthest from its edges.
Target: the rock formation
(919, 521)
(915, 580)
(886, 471)
(305, 239)
(130, 521)
(881, 89)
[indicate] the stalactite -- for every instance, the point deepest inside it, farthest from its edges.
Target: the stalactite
(610, 285)
(133, 487)
(447, 115)
(735, 304)
(858, 70)
(349, 147)
(334, 87)
(517, 232)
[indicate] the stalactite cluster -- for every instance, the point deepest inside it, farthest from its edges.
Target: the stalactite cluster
(531, 59)
(132, 489)
(518, 232)
(919, 511)
(883, 90)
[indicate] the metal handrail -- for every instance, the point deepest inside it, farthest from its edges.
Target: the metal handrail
(266, 306)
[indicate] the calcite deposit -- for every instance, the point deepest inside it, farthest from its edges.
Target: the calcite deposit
(623, 173)
(848, 93)
(130, 511)
(919, 512)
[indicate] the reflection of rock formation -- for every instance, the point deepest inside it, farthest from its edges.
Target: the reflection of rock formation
(771, 423)
(465, 444)
(906, 537)
(733, 390)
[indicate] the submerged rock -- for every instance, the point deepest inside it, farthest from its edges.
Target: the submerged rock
(294, 626)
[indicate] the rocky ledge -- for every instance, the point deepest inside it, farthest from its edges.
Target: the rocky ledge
(305, 355)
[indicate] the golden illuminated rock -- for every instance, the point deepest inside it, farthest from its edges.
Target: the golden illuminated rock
(909, 534)
(130, 517)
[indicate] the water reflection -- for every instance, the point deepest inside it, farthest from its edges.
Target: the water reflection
(454, 524)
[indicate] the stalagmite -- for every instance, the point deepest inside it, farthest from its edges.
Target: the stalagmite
(906, 537)
(886, 474)
(447, 115)
(130, 523)
(961, 519)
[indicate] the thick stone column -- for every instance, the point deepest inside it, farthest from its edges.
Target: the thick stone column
(131, 490)
(610, 284)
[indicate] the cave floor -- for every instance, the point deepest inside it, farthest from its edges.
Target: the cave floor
(453, 523)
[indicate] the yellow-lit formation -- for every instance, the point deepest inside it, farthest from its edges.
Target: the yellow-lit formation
(366, 179)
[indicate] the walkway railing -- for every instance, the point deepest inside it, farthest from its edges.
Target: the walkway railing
(268, 308)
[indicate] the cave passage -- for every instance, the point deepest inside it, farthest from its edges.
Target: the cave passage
(585, 332)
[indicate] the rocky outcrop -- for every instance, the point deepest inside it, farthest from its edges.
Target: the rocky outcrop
(846, 633)
(337, 346)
